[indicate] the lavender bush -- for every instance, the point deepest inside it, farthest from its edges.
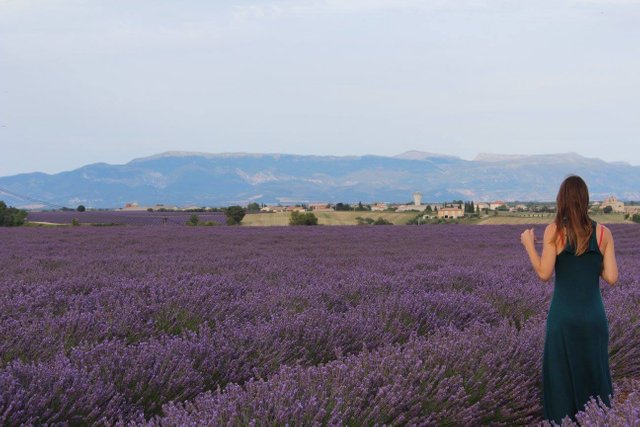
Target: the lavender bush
(437, 325)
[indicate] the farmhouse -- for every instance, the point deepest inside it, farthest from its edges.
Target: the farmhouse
(495, 205)
(615, 204)
(450, 213)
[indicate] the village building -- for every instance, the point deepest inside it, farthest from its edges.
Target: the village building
(320, 207)
(450, 213)
(616, 205)
(416, 206)
(405, 208)
(272, 208)
(377, 207)
(495, 205)
(481, 205)
(294, 209)
(434, 206)
(632, 210)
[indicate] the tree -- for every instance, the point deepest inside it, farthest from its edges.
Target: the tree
(253, 207)
(342, 207)
(10, 216)
(234, 214)
(81, 208)
(607, 209)
(303, 218)
(636, 218)
(193, 220)
(362, 207)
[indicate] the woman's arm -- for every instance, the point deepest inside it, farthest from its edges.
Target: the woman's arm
(610, 266)
(543, 265)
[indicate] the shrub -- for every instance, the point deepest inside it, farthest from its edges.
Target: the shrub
(607, 209)
(303, 218)
(234, 214)
(81, 208)
(382, 221)
(636, 218)
(10, 216)
(75, 222)
(365, 220)
(193, 220)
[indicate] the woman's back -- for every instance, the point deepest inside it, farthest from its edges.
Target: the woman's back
(575, 364)
(577, 278)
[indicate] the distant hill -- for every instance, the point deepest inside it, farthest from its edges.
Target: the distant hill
(207, 179)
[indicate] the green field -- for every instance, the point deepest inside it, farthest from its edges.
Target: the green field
(327, 218)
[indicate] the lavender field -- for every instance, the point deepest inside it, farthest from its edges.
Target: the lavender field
(124, 217)
(384, 325)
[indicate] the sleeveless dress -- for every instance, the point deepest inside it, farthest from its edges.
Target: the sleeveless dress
(576, 348)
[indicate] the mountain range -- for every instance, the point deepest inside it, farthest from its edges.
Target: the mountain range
(207, 179)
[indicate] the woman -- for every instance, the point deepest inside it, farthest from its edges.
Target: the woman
(576, 356)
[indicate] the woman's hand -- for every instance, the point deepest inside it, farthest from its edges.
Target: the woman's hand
(528, 238)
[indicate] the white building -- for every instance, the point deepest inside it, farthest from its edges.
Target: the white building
(416, 206)
(495, 205)
(377, 207)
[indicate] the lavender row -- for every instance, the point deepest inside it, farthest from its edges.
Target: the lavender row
(134, 318)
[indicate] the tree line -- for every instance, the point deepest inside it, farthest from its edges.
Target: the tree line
(10, 216)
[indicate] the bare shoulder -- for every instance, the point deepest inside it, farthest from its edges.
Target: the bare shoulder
(550, 230)
(550, 233)
(604, 234)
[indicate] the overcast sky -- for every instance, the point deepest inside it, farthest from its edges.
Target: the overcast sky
(110, 80)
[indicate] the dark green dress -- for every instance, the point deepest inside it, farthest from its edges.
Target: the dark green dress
(576, 354)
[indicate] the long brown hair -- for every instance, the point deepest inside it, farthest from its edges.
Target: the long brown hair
(572, 213)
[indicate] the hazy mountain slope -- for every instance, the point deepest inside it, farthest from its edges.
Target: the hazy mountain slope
(221, 179)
